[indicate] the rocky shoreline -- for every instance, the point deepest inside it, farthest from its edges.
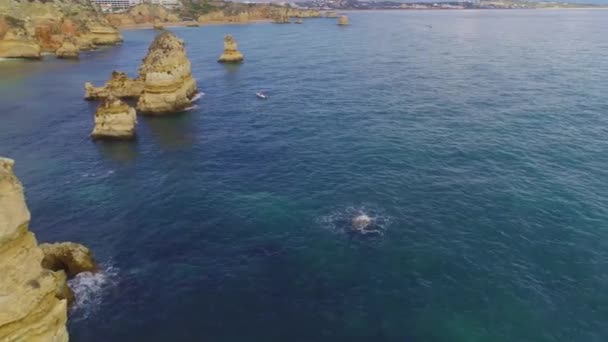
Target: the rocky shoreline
(34, 294)
(30, 28)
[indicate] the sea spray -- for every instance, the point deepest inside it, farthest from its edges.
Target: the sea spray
(90, 288)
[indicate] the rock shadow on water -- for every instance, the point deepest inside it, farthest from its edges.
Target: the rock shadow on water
(172, 132)
(122, 151)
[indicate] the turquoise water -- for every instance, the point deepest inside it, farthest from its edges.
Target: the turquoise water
(476, 139)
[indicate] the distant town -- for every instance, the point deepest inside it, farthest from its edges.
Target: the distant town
(328, 5)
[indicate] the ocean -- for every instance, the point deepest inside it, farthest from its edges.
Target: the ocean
(475, 140)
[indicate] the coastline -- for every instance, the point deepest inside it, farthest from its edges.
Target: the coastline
(145, 26)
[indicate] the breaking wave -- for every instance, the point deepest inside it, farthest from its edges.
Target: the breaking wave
(197, 96)
(89, 290)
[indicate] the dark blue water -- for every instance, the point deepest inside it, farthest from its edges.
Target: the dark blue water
(478, 143)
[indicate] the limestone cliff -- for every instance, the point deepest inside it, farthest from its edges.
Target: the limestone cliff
(241, 13)
(231, 53)
(30, 309)
(28, 28)
(343, 20)
(120, 85)
(143, 14)
(114, 119)
(68, 50)
(167, 77)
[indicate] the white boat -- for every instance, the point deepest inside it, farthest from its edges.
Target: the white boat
(261, 95)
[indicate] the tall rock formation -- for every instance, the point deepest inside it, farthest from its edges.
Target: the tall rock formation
(343, 20)
(119, 85)
(165, 71)
(231, 53)
(114, 119)
(28, 27)
(30, 309)
(33, 299)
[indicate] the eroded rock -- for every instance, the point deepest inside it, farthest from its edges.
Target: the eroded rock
(68, 50)
(231, 53)
(114, 119)
(119, 85)
(343, 20)
(167, 76)
(30, 310)
(73, 258)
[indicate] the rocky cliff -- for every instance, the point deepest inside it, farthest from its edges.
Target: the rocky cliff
(29, 307)
(165, 71)
(143, 14)
(114, 119)
(33, 299)
(240, 13)
(231, 53)
(28, 27)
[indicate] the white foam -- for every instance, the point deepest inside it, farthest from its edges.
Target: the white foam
(343, 219)
(89, 289)
(193, 107)
(197, 96)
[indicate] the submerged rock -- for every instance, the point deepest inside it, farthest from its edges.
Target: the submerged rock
(231, 53)
(119, 85)
(73, 258)
(165, 71)
(114, 119)
(29, 307)
(343, 20)
(361, 222)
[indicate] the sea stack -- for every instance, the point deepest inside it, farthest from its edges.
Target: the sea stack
(343, 20)
(165, 71)
(119, 85)
(231, 53)
(33, 299)
(114, 119)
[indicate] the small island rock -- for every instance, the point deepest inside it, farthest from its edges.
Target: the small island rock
(343, 20)
(114, 119)
(231, 53)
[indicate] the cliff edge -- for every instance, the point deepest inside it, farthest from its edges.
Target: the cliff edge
(30, 310)
(33, 299)
(28, 28)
